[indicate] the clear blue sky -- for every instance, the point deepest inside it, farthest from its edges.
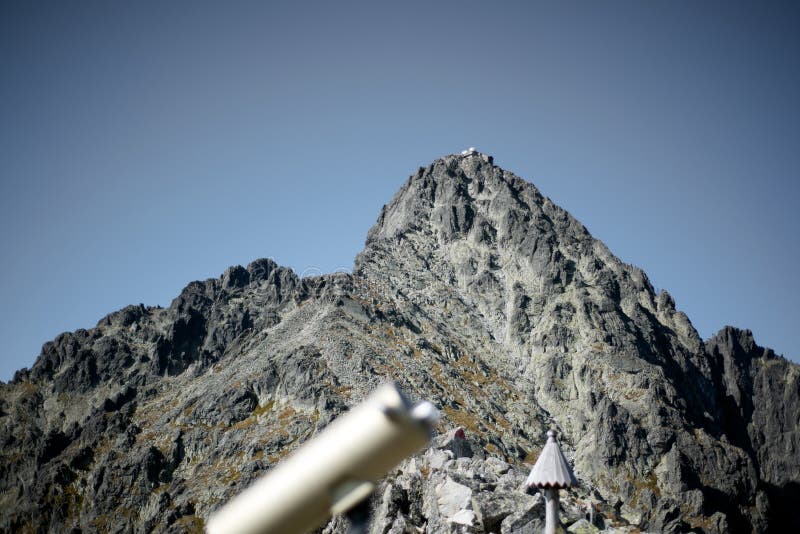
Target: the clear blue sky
(145, 145)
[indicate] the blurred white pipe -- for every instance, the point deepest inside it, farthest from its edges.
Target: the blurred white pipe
(334, 471)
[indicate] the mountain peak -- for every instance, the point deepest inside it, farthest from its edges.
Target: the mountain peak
(473, 291)
(445, 196)
(478, 226)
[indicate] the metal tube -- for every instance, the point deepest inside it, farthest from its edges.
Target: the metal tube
(332, 472)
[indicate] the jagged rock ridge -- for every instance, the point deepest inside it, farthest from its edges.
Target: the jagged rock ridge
(474, 291)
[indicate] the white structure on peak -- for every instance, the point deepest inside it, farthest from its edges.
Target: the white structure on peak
(470, 151)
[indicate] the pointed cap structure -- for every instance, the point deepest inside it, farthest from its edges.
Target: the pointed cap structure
(551, 469)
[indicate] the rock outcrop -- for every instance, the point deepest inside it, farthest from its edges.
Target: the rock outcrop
(474, 291)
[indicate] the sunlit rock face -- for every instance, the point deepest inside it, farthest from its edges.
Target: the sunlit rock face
(473, 291)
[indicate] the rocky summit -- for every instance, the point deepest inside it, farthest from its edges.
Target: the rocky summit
(473, 291)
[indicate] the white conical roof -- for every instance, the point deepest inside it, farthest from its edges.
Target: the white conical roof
(551, 469)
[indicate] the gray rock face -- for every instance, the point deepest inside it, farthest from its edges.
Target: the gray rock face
(759, 398)
(474, 291)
